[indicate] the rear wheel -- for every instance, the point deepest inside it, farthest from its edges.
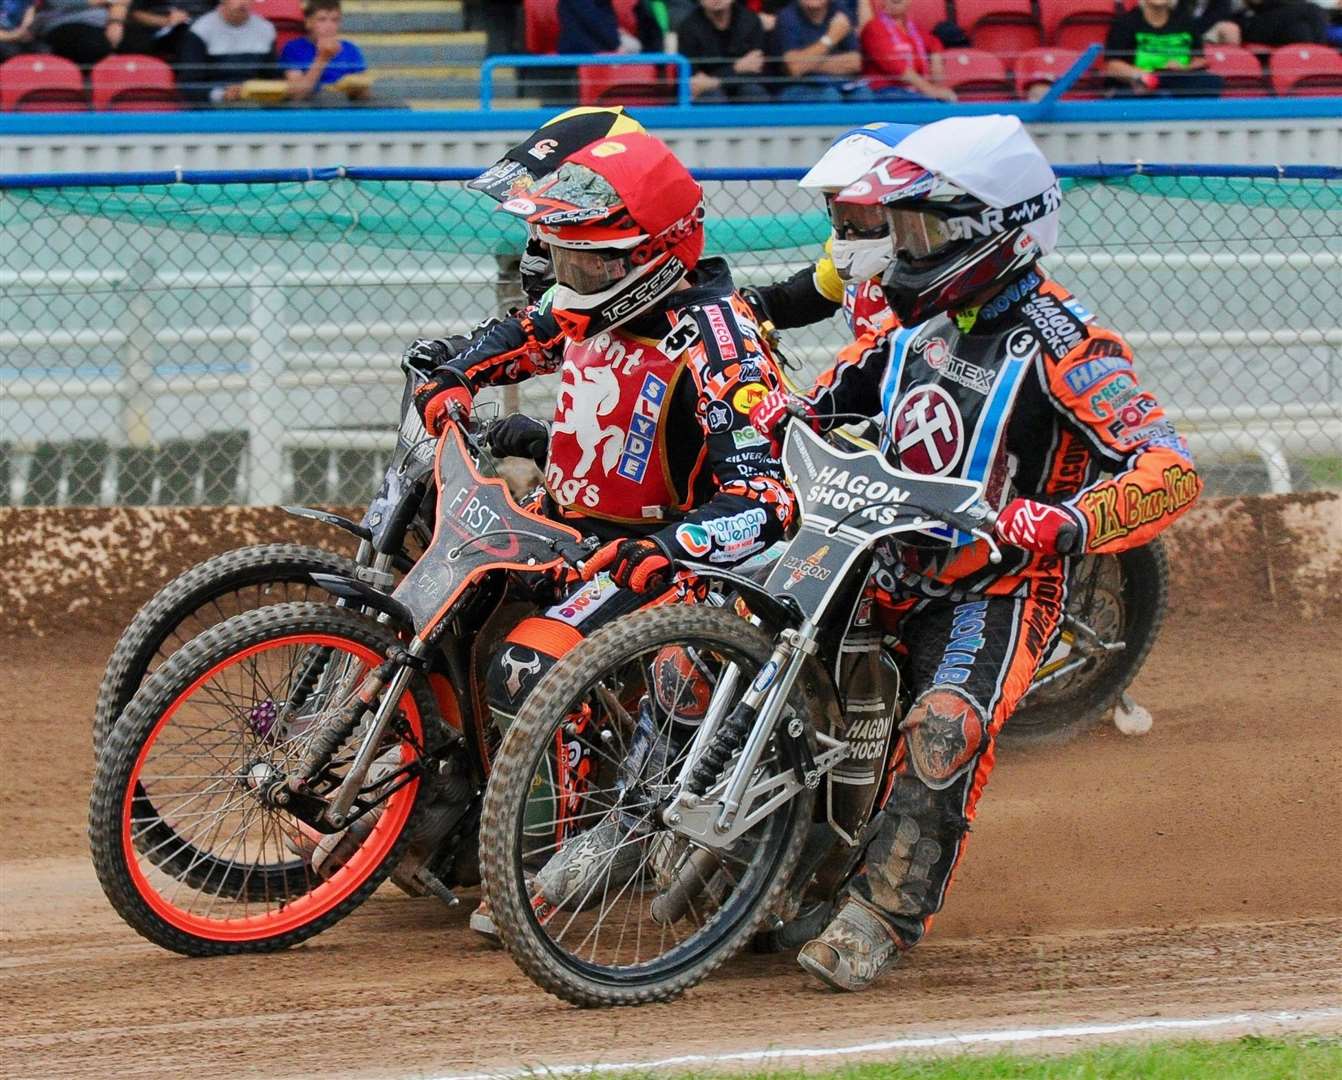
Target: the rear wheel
(1121, 599)
(187, 847)
(206, 594)
(595, 898)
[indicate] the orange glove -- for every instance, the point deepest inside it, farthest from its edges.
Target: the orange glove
(433, 400)
(640, 565)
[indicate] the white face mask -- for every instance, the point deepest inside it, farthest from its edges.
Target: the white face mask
(860, 260)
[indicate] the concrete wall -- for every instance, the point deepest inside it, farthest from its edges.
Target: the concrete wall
(68, 571)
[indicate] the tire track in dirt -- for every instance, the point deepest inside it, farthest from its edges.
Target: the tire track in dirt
(1195, 871)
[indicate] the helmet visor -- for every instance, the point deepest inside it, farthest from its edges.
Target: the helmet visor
(853, 221)
(916, 234)
(588, 270)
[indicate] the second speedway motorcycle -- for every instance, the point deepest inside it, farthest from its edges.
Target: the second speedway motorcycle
(723, 759)
(271, 773)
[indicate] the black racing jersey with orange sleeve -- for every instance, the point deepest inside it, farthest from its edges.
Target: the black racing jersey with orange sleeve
(1030, 397)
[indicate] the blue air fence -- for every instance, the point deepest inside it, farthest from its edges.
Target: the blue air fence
(212, 338)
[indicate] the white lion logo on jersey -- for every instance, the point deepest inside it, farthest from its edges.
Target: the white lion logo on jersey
(590, 395)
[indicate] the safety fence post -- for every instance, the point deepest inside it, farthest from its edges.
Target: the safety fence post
(265, 475)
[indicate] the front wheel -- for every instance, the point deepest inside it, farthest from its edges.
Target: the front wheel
(188, 842)
(198, 598)
(1113, 600)
(595, 898)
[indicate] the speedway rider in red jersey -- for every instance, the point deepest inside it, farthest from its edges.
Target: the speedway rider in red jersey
(651, 448)
(841, 279)
(996, 374)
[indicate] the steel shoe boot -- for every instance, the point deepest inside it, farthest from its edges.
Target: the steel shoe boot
(854, 950)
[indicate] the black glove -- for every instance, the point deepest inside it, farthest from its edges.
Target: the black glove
(751, 296)
(519, 435)
(425, 354)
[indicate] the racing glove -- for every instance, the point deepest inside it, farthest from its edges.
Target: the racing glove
(434, 400)
(1039, 527)
(425, 354)
(519, 435)
(640, 565)
(768, 415)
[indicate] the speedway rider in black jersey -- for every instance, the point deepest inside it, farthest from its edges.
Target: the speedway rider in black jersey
(998, 375)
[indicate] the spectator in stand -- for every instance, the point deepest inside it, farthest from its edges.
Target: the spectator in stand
(590, 26)
(225, 49)
(820, 53)
(323, 56)
(16, 27)
(768, 11)
(159, 26)
(1213, 20)
(898, 60)
(84, 31)
(1153, 48)
(1284, 22)
(724, 41)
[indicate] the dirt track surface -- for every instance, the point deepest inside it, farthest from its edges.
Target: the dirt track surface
(1192, 872)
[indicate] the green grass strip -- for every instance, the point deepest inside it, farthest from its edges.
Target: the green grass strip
(1251, 1057)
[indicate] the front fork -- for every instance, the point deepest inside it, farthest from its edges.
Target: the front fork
(716, 812)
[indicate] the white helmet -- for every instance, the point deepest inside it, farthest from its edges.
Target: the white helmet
(860, 251)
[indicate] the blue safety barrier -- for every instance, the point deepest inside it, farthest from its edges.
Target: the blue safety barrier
(445, 175)
(522, 60)
(290, 121)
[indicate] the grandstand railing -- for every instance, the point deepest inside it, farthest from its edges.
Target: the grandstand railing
(286, 361)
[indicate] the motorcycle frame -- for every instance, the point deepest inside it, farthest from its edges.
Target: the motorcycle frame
(827, 482)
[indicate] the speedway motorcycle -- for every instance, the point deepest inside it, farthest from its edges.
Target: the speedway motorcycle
(394, 528)
(707, 740)
(272, 772)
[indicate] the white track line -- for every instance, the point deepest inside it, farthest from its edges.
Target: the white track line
(923, 1042)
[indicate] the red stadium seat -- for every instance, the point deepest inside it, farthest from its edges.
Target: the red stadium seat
(134, 84)
(542, 26)
(1306, 69)
(925, 14)
(283, 37)
(1005, 27)
(1048, 65)
(35, 82)
(975, 75)
(622, 84)
(285, 15)
(1075, 24)
(1240, 71)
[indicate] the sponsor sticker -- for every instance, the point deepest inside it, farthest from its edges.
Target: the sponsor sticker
(748, 396)
(642, 435)
(747, 436)
(1055, 325)
(543, 149)
(929, 433)
(717, 417)
(694, 539)
(938, 356)
(967, 638)
(1086, 374)
(722, 334)
(520, 205)
(608, 149)
(808, 567)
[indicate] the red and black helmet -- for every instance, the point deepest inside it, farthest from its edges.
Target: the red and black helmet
(623, 220)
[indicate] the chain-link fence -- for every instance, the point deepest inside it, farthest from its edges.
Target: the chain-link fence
(235, 339)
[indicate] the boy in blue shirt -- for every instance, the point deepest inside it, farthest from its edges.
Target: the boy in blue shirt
(322, 57)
